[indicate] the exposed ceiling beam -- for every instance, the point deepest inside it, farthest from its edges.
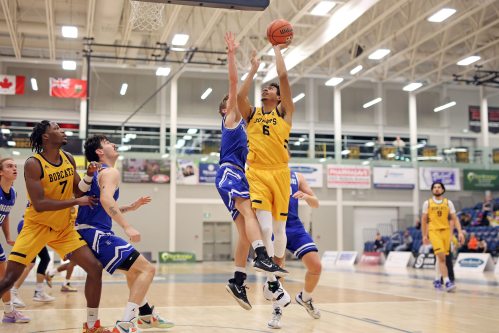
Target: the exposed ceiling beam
(175, 11)
(90, 18)
(207, 29)
(353, 38)
(12, 29)
(49, 13)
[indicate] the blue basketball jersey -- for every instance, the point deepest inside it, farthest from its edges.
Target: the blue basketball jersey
(234, 145)
(96, 216)
(7, 201)
(293, 218)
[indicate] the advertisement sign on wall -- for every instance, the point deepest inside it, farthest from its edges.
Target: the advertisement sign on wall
(474, 262)
(311, 171)
(208, 172)
(138, 170)
(188, 172)
(397, 178)
(348, 176)
(480, 180)
(448, 176)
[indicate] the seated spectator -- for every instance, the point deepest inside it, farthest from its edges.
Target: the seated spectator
(379, 243)
(487, 209)
(417, 224)
(473, 243)
(425, 249)
(399, 144)
(482, 246)
(407, 242)
(465, 220)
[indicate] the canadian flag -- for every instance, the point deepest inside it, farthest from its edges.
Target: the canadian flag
(68, 88)
(11, 85)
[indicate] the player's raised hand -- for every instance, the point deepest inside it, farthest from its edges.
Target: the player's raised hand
(140, 202)
(230, 40)
(92, 167)
(255, 62)
(133, 234)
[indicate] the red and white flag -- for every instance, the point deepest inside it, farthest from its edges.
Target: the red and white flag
(68, 88)
(11, 85)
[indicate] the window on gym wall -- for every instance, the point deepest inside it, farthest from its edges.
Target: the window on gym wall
(298, 144)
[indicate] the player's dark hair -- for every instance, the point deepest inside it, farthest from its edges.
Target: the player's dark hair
(440, 183)
(91, 145)
(276, 85)
(35, 138)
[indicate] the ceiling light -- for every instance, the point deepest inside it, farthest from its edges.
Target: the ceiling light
(297, 143)
(180, 143)
(11, 143)
(68, 133)
(187, 137)
(445, 106)
(369, 144)
(163, 71)
(206, 93)
(180, 39)
(124, 148)
(302, 139)
(379, 54)
(123, 89)
(442, 15)
(192, 131)
(356, 70)
(34, 84)
(245, 75)
(345, 152)
(371, 103)
(468, 61)
(322, 8)
(412, 86)
(298, 97)
(334, 81)
(16, 153)
(261, 67)
(69, 31)
(69, 65)
(5, 131)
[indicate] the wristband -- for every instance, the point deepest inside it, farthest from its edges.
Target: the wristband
(83, 186)
(88, 179)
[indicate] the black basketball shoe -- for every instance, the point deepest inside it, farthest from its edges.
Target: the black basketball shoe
(265, 264)
(239, 294)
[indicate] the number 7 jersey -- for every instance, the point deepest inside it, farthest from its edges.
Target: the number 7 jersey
(57, 182)
(268, 138)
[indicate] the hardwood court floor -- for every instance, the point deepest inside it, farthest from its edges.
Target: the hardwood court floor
(367, 299)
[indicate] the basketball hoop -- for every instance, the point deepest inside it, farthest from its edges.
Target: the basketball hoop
(146, 16)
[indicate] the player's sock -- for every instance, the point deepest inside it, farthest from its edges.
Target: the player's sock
(446, 279)
(92, 315)
(239, 278)
(145, 309)
(39, 287)
(271, 277)
(8, 307)
(129, 311)
(67, 282)
(257, 244)
(306, 296)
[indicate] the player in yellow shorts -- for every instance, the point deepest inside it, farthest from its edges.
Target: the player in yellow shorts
(268, 129)
(52, 182)
(436, 229)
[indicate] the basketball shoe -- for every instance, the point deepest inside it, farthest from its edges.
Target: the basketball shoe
(153, 320)
(239, 294)
(437, 284)
(450, 286)
(125, 327)
(96, 329)
(265, 264)
(15, 299)
(68, 288)
(15, 317)
(275, 291)
(309, 306)
(41, 296)
(275, 322)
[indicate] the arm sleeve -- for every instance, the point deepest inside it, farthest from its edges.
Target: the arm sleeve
(425, 207)
(452, 209)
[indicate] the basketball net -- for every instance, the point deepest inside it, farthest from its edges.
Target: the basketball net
(146, 16)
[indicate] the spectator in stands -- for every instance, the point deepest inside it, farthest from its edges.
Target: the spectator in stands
(399, 145)
(379, 243)
(482, 246)
(407, 242)
(465, 219)
(417, 224)
(487, 209)
(378, 144)
(473, 243)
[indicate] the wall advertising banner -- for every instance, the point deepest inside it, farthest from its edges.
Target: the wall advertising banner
(208, 172)
(480, 180)
(311, 171)
(448, 176)
(138, 170)
(348, 176)
(397, 178)
(187, 172)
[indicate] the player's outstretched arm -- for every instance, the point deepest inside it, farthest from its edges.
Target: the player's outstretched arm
(136, 204)
(424, 228)
(231, 62)
(33, 175)
(6, 230)
(243, 103)
(108, 182)
(287, 106)
(305, 192)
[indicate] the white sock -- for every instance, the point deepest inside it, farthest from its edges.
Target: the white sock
(14, 290)
(144, 302)
(92, 315)
(39, 287)
(271, 277)
(8, 307)
(256, 244)
(66, 282)
(305, 296)
(446, 279)
(240, 269)
(130, 311)
(437, 271)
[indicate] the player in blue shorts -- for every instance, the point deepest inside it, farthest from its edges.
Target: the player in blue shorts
(233, 187)
(301, 244)
(94, 225)
(8, 174)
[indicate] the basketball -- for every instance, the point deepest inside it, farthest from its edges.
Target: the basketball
(280, 32)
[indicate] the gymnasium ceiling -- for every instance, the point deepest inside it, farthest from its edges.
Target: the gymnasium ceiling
(323, 47)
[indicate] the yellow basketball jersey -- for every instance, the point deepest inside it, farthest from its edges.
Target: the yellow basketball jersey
(268, 135)
(438, 214)
(57, 182)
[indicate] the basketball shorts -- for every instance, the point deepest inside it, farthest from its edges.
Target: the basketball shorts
(299, 240)
(231, 183)
(3, 258)
(440, 240)
(270, 190)
(34, 237)
(111, 250)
